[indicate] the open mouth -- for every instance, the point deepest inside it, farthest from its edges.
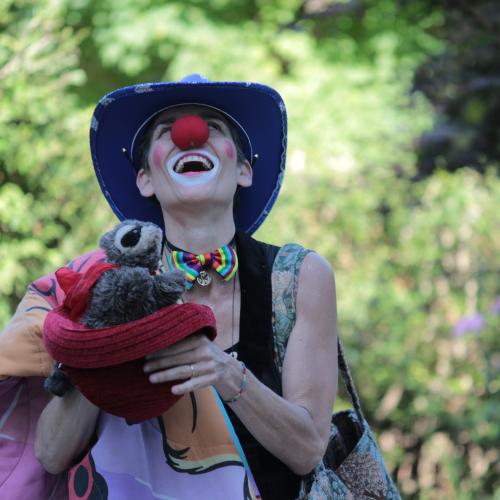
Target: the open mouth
(198, 166)
(193, 163)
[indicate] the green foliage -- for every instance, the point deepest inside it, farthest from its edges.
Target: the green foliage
(462, 82)
(411, 259)
(48, 198)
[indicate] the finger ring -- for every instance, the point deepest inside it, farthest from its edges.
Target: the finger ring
(192, 371)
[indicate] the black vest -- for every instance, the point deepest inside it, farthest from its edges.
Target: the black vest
(256, 350)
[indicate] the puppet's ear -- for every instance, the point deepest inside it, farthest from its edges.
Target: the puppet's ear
(106, 240)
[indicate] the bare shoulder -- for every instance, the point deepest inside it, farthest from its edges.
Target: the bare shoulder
(317, 262)
(316, 318)
(316, 278)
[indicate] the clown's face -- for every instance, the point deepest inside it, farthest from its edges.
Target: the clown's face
(186, 173)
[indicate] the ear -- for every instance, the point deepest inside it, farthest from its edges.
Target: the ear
(245, 174)
(144, 184)
(106, 238)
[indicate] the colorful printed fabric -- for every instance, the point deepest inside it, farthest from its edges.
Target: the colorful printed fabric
(23, 366)
(187, 453)
(191, 451)
(22, 353)
(223, 260)
(21, 475)
(284, 278)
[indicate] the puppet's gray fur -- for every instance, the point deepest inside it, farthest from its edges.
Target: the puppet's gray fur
(129, 292)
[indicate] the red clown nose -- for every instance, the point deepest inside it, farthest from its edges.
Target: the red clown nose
(190, 132)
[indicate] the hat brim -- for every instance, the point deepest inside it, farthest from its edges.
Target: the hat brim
(258, 109)
(106, 364)
(79, 346)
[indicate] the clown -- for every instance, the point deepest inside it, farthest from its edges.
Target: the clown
(205, 161)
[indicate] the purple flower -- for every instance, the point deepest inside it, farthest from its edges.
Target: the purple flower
(473, 323)
(495, 307)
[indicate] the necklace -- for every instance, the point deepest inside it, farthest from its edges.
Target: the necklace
(204, 277)
(234, 352)
(224, 260)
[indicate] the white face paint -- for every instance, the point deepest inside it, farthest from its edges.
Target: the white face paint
(193, 178)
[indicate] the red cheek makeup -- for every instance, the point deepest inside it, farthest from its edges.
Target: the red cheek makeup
(229, 148)
(158, 155)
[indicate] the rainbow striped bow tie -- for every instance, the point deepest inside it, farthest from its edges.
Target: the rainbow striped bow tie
(223, 260)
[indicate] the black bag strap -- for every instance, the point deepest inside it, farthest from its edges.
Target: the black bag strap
(345, 372)
(288, 260)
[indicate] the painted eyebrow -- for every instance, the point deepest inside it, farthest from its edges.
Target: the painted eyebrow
(210, 115)
(206, 115)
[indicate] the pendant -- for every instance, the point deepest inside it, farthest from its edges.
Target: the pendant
(203, 279)
(234, 354)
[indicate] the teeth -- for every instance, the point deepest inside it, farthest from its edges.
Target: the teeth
(205, 162)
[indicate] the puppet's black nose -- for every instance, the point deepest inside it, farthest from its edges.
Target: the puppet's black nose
(131, 238)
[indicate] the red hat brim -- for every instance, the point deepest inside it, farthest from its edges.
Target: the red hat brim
(106, 364)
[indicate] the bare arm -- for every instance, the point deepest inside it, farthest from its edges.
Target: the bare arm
(294, 427)
(64, 429)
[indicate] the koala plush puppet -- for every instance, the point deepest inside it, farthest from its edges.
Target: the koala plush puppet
(132, 290)
(125, 291)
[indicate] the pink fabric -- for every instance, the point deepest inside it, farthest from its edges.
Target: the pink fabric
(22, 396)
(47, 286)
(21, 475)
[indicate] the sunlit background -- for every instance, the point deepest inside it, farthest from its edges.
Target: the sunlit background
(392, 174)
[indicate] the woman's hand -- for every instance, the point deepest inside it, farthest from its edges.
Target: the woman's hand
(199, 363)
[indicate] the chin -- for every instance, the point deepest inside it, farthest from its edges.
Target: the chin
(200, 199)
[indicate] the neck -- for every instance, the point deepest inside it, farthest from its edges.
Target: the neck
(201, 232)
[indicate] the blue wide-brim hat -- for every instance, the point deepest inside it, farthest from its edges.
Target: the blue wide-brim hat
(120, 118)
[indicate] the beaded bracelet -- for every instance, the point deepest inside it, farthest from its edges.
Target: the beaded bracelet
(242, 385)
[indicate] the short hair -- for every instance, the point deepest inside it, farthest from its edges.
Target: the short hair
(144, 144)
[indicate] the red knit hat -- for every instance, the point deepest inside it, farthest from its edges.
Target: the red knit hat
(106, 364)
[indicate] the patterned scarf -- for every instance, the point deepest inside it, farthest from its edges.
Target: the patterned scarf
(223, 260)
